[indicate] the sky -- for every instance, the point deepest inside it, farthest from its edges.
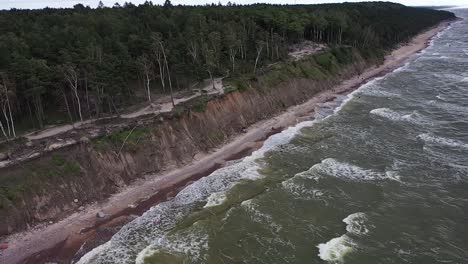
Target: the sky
(34, 4)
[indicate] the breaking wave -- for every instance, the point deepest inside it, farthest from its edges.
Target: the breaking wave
(356, 224)
(440, 141)
(387, 113)
(348, 171)
(337, 248)
(151, 228)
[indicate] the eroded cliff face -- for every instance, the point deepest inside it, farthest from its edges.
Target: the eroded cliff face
(58, 183)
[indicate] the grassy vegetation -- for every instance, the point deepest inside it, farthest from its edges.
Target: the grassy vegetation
(315, 67)
(238, 83)
(200, 104)
(115, 140)
(14, 185)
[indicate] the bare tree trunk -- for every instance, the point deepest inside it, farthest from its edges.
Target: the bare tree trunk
(4, 111)
(87, 94)
(168, 73)
(72, 77)
(66, 104)
(12, 123)
(39, 114)
(212, 80)
(113, 104)
(259, 51)
(79, 104)
(161, 71)
(232, 56)
(148, 85)
(193, 51)
(3, 130)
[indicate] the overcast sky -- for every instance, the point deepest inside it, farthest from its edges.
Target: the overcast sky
(7, 4)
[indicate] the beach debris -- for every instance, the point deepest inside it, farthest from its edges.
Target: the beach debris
(100, 215)
(3, 245)
(75, 201)
(84, 139)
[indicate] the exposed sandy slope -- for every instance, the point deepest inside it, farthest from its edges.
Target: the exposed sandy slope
(210, 88)
(23, 245)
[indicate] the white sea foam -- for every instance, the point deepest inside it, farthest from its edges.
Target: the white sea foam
(190, 242)
(440, 141)
(258, 216)
(377, 92)
(449, 106)
(351, 95)
(215, 199)
(157, 221)
(154, 224)
(299, 190)
(348, 171)
(336, 249)
(145, 253)
(403, 68)
(356, 224)
(387, 113)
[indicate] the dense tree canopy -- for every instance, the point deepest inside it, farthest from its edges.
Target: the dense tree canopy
(84, 62)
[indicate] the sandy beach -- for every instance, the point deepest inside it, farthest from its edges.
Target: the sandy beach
(59, 242)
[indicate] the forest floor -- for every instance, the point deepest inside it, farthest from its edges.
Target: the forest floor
(58, 242)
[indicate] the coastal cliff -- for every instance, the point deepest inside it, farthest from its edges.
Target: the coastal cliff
(59, 182)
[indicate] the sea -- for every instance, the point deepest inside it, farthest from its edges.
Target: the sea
(378, 176)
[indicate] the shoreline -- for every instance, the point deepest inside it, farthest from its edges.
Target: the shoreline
(84, 229)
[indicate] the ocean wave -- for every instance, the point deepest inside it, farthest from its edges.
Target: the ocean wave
(356, 224)
(345, 170)
(154, 224)
(258, 216)
(379, 93)
(449, 106)
(402, 68)
(299, 190)
(387, 113)
(337, 248)
(215, 199)
(440, 141)
(176, 249)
